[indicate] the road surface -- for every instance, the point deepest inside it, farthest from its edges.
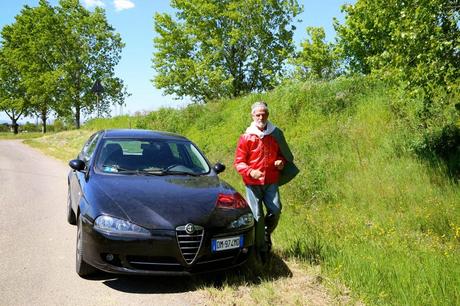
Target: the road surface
(37, 246)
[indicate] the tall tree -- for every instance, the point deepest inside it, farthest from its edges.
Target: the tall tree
(29, 41)
(13, 96)
(90, 50)
(318, 59)
(59, 52)
(216, 48)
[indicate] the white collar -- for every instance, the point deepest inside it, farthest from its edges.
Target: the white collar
(254, 130)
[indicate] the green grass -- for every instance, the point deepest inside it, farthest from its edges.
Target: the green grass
(64, 146)
(9, 135)
(365, 208)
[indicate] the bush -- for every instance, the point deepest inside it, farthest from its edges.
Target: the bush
(30, 127)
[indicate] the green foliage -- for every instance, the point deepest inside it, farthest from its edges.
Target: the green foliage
(91, 50)
(26, 46)
(4, 128)
(216, 49)
(416, 43)
(57, 53)
(417, 38)
(317, 59)
(13, 99)
(30, 127)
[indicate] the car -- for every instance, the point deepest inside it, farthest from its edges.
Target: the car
(149, 202)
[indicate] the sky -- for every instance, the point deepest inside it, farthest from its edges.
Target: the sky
(133, 19)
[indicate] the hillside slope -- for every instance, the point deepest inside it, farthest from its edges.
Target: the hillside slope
(365, 209)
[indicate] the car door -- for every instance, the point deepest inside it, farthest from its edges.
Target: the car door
(78, 179)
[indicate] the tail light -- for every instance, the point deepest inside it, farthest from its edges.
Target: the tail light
(234, 200)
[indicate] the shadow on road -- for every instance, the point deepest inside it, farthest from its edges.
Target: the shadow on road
(252, 273)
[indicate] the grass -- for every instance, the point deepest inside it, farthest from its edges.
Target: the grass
(63, 146)
(365, 209)
(9, 135)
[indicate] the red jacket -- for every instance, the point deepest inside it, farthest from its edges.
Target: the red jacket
(253, 153)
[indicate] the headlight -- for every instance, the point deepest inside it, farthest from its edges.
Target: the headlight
(111, 225)
(246, 220)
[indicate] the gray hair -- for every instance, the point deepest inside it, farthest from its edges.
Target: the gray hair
(259, 104)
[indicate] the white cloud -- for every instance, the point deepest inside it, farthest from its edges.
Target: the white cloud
(122, 4)
(93, 3)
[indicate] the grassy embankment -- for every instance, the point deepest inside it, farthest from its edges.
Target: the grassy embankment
(365, 208)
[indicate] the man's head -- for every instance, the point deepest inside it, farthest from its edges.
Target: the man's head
(259, 111)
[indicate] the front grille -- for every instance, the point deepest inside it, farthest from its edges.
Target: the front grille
(189, 244)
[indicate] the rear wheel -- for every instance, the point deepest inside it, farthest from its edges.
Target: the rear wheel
(83, 269)
(70, 214)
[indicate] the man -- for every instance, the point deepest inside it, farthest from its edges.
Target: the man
(261, 155)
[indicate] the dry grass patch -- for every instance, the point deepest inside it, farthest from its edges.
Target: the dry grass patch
(302, 285)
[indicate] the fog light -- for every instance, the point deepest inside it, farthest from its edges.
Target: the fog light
(109, 257)
(244, 250)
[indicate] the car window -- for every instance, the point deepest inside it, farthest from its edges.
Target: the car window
(124, 155)
(89, 147)
(197, 159)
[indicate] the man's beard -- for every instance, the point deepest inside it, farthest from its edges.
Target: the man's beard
(261, 124)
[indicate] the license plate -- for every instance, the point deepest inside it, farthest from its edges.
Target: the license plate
(227, 243)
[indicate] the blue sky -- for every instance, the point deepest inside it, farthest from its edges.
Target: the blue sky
(133, 19)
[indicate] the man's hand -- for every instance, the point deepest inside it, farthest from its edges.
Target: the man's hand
(279, 164)
(256, 174)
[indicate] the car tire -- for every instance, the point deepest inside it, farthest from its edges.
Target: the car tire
(83, 269)
(70, 214)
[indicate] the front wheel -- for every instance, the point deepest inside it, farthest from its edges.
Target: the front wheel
(83, 269)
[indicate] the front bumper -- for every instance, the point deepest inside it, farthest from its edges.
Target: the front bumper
(160, 253)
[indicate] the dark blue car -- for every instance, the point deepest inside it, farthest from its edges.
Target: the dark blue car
(148, 202)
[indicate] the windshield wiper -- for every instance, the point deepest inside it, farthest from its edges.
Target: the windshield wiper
(177, 172)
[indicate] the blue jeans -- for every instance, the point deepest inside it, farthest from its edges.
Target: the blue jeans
(269, 196)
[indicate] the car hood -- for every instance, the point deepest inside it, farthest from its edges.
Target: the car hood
(162, 202)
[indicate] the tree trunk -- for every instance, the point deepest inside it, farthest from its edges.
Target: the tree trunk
(15, 126)
(43, 117)
(77, 116)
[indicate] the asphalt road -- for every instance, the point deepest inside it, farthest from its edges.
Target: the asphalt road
(37, 246)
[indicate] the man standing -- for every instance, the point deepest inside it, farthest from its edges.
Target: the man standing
(261, 156)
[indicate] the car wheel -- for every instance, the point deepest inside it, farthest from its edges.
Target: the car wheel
(70, 214)
(83, 269)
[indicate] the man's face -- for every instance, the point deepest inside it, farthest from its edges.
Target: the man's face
(260, 117)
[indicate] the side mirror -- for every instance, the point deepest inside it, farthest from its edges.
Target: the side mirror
(218, 167)
(77, 164)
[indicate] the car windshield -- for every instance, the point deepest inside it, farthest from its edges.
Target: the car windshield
(147, 156)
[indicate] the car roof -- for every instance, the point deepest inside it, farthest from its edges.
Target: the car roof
(142, 134)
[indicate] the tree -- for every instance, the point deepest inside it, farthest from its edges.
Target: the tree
(418, 40)
(30, 48)
(59, 52)
(13, 97)
(218, 48)
(90, 51)
(418, 44)
(317, 59)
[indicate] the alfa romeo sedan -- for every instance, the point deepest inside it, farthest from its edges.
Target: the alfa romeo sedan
(148, 202)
